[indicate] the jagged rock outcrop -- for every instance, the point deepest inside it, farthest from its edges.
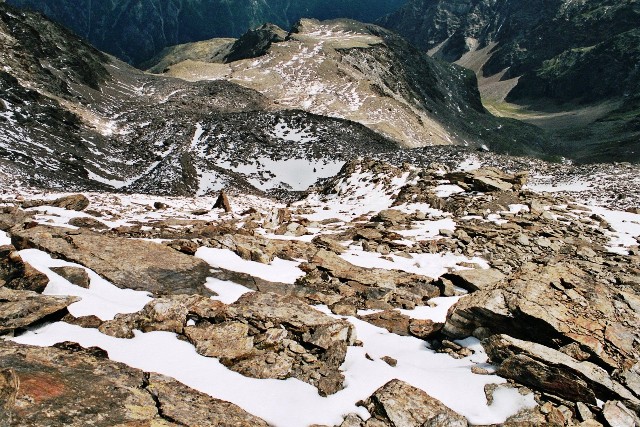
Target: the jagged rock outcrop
(261, 335)
(336, 281)
(554, 305)
(43, 385)
(554, 372)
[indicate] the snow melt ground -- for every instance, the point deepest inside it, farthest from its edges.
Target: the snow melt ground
(286, 403)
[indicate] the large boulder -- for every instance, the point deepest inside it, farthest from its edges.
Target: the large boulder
(75, 387)
(127, 263)
(555, 305)
(488, 179)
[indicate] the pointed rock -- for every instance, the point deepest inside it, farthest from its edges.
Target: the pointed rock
(223, 202)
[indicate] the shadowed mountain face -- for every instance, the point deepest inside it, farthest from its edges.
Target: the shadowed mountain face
(136, 30)
(550, 57)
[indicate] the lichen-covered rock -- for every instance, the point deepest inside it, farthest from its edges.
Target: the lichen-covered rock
(77, 387)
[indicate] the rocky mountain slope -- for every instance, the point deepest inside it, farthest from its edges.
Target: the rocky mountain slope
(386, 296)
(357, 72)
(137, 30)
(72, 117)
(550, 59)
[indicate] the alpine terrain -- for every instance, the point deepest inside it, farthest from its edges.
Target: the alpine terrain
(135, 30)
(570, 67)
(321, 226)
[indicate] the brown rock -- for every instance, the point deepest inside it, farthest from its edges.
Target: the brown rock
(389, 361)
(76, 275)
(399, 404)
(476, 279)
(16, 274)
(228, 340)
(19, 309)
(223, 202)
(552, 304)
(73, 387)
(552, 371)
(74, 202)
(87, 222)
(424, 328)
(391, 320)
(127, 263)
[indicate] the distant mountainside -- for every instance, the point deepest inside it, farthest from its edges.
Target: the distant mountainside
(136, 30)
(548, 56)
(72, 117)
(354, 71)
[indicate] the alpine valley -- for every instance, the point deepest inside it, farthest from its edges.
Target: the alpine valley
(316, 223)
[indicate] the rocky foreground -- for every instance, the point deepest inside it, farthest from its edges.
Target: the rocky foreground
(386, 296)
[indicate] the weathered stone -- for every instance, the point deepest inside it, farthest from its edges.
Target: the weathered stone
(391, 217)
(76, 275)
(127, 263)
(424, 328)
(222, 202)
(229, 340)
(325, 242)
(87, 222)
(618, 415)
(185, 246)
(488, 179)
(391, 320)
(389, 361)
(552, 304)
(74, 202)
(552, 371)
(19, 309)
(399, 404)
(17, 274)
(168, 314)
(73, 387)
(369, 287)
(476, 279)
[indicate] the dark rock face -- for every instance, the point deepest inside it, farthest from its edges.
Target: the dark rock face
(585, 37)
(135, 31)
(566, 54)
(39, 386)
